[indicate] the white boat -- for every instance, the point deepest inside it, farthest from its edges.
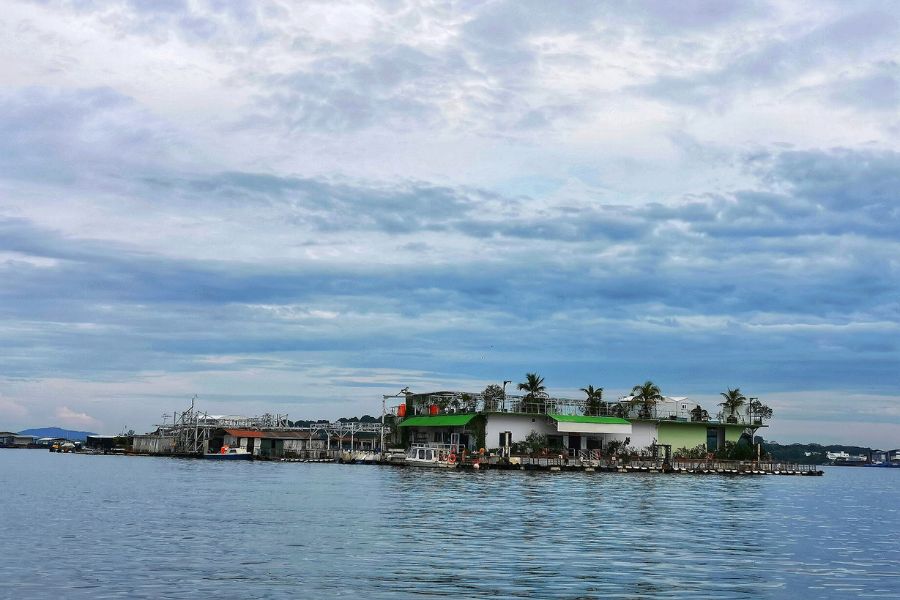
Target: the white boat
(437, 457)
(229, 453)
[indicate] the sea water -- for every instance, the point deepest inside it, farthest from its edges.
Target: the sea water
(77, 526)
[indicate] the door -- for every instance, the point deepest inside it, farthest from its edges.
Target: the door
(712, 439)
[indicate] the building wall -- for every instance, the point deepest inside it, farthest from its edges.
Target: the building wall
(293, 446)
(151, 444)
(520, 426)
(682, 435)
(643, 434)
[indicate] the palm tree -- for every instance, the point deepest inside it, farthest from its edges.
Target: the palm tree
(646, 396)
(734, 399)
(533, 386)
(594, 399)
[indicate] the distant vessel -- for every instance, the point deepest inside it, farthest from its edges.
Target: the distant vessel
(229, 453)
(437, 457)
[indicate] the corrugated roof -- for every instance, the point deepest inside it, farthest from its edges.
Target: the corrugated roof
(438, 421)
(247, 433)
(587, 419)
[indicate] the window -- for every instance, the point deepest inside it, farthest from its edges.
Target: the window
(712, 439)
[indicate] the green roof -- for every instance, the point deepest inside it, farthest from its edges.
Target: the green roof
(586, 419)
(438, 421)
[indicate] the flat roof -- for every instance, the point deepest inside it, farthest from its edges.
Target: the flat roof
(438, 421)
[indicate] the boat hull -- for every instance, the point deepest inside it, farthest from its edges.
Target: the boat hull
(247, 456)
(430, 464)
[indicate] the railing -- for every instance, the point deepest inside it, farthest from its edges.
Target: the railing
(461, 402)
(590, 458)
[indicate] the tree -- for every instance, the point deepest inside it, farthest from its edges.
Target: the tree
(534, 389)
(734, 400)
(535, 442)
(646, 396)
(493, 396)
(698, 414)
(759, 410)
(594, 399)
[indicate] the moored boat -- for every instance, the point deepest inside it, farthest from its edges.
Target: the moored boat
(229, 453)
(437, 457)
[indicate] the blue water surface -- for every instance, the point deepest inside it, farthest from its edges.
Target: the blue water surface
(78, 526)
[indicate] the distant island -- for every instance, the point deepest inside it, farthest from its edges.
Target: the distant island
(813, 454)
(57, 432)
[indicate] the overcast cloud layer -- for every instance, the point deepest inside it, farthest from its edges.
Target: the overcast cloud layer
(299, 207)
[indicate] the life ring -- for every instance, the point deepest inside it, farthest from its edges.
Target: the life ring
(451, 458)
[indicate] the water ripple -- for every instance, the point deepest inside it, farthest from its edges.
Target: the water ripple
(113, 527)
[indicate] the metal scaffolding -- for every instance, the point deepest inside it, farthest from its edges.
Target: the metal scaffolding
(192, 428)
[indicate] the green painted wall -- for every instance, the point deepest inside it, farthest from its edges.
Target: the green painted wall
(682, 435)
(733, 432)
(689, 435)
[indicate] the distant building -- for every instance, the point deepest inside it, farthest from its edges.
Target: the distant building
(845, 457)
(572, 425)
(103, 443)
(268, 444)
(886, 457)
(8, 439)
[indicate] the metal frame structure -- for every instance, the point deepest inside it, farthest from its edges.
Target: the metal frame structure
(192, 428)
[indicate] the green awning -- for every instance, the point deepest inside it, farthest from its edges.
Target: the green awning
(438, 421)
(586, 419)
(584, 424)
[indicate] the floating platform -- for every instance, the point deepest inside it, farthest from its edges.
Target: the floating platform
(713, 467)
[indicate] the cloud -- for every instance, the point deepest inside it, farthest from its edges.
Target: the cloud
(72, 418)
(10, 410)
(309, 204)
(61, 135)
(785, 58)
(879, 89)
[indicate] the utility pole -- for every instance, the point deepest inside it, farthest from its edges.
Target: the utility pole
(752, 430)
(383, 412)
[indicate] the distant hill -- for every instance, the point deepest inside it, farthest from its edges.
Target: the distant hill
(56, 432)
(813, 454)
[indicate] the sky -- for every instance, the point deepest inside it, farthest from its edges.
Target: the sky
(296, 207)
